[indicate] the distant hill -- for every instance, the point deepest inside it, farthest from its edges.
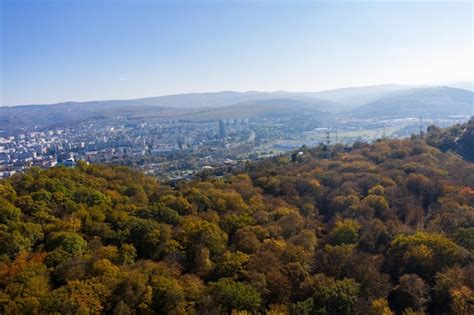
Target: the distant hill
(189, 100)
(353, 97)
(430, 102)
(381, 101)
(46, 116)
(271, 108)
(459, 139)
(465, 85)
(189, 106)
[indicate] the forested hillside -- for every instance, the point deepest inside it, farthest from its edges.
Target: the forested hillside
(386, 228)
(459, 139)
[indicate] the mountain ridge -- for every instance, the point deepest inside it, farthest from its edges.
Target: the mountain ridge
(391, 101)
(426, 102)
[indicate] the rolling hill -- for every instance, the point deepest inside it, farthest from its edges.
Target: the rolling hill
(186, 106)
(271, 108)
(353, 97)
(458, 138)
(383, 101)
(433, 102)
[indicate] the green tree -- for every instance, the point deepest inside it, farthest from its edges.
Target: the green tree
(423, 253)
(235, 295)
(71, 242)
(333, 296)
(345, 232)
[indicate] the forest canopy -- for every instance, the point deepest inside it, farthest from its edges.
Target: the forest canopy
(458, 138)
(386, 228)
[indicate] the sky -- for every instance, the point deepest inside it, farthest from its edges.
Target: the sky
(55, 51)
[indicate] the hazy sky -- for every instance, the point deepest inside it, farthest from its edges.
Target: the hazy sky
(54, 51)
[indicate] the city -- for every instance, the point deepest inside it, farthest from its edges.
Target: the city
(177, 149)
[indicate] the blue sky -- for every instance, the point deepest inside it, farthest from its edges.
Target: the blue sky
(56, 51)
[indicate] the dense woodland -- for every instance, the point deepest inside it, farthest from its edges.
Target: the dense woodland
(458, 138)
(379, 229)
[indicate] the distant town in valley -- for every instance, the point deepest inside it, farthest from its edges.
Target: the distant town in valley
(175, 137)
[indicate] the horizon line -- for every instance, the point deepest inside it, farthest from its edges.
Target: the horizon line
(248, 91)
